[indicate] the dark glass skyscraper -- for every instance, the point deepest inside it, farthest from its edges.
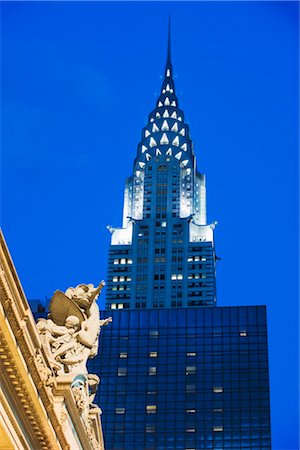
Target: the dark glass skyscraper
(177, 373)
(164, 255)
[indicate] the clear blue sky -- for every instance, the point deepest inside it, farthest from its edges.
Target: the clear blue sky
(78, 82)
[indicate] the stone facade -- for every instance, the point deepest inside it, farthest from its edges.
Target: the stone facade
(40, 407)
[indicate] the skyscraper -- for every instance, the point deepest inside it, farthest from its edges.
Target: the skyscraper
(176, 373)
(163, 256)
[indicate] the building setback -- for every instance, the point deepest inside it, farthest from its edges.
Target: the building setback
(177, 372)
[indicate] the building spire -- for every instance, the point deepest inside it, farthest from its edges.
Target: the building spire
(168, 71)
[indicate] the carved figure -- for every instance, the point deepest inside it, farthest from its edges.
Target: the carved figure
(70, 335)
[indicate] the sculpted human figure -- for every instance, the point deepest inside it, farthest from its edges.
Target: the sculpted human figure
(70, 335)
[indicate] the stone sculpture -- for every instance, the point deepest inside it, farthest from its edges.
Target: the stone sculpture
(70, 334)
(69, 338)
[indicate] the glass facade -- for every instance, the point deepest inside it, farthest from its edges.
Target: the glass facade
(185, 379)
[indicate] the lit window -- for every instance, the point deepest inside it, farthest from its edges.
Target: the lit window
(191, 354)
(122, 371)
(217, 389)
(123, 355)
(152, 142)
(168, 73)
(144, 148)
(174, 127)
(179, 276)
(166, 114)
(190, 430)
(174, 115)
(153, 333)
(178, 155)
(167, 101)
(116, 261)
(155, 128)
(243, 333)
(123, 261)
(150, 429)
(157, 114)
(217, 428)
(153, 354)
(165, 126)
(176, 141)
(190, 370)
(218, 410)
(163, 224)
(120, 305)
(129, 261)
(164, 139)
(190, 259)
(152, 371)
(115, 279)
(182, 132)
(151, 409)
(113, 306)
(147, 133)
(173, 103)
(160, 103)
(120, 410)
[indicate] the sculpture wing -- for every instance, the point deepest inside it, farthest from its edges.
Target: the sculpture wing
(62, 306)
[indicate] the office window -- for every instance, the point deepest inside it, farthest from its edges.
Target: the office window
(191, 354)
(153, 354)
(150, 429)
(152, 371)
(217, 428)
(190, 370)
(122, 371)
(190, 388)
(217, 389)
(123, 355)
(151, 409)
(120, 410)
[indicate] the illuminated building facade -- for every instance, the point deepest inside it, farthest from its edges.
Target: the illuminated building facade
(163, 256)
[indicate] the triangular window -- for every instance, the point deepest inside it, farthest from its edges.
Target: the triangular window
(147, 133)
(176, 141)
(154, 128)
(158, 152)
(184, 163)
(144, 148)
(142, 165)
(157, 114)
(152, 142)
(166, 114)
(184, 147)
(174, 115)
(173, 103)
(182, 132)
(174, 127)
(167, 101)
(169, 152)
(168, 73)
(164, 139)
(179, 118)
(178, 155)
(160, 103)
(167, 87)
(148, 157)
(165, 126)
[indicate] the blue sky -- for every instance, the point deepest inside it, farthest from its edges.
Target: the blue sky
(78, 82)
